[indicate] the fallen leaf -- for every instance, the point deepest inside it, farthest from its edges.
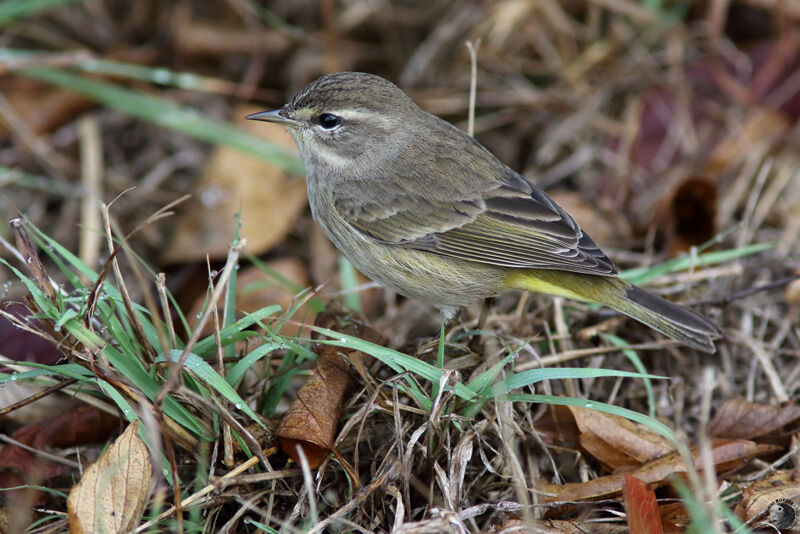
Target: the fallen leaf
(739, 419)
(622, 434)
(270, 201)
(312, 418)
(112, 493)
(79, 425)
(726, 454)
(641, 507)
(43, 108)
(557, 427)
(605, 453)
(692, 214)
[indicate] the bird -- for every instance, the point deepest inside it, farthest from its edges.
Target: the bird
(422, 208)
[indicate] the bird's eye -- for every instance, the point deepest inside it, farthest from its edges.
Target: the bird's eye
(329, 121)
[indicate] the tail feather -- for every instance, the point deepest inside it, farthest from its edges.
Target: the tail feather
(677, 322)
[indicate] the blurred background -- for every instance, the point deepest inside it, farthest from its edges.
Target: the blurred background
(666, 127)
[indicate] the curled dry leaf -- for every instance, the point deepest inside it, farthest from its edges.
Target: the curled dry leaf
(692, 214)
(739, 419)
(675, 517)
(620, 436)
(312, 418)
(726, 455)
(641, 507)
(113, 491)
(269, 200)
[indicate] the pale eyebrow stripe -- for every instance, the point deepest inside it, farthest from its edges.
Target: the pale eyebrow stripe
(353, 114)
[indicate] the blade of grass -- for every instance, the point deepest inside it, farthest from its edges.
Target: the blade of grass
(349, 281)
(650, 423)
(168, 114)
(633, 357)
(11, 10)
(206, 373)
(70, 370)
(39, 183)
(642, 275)
(396, 360)
(532, 376)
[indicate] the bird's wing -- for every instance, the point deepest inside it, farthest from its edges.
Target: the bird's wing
(510, 223)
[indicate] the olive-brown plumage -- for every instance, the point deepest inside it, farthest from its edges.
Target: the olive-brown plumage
(421, 207)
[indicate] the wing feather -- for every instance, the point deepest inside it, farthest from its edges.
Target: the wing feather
(495, 216)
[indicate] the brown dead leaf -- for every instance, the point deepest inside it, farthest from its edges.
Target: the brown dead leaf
(41, 107)
(312, 418)
(692, 214)
(557, 427)
(762, 494)
(621, 434)
(726, 455)
(269, 200)
(112, 493)
(739, 419)
(606, 453)
(641, 507)
(79, 425)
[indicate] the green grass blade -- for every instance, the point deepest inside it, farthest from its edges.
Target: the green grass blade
(642, 275)
(205, 372)
(40, 183)
(70, 370)
(11, 10)
(349, 281)
(168, 114)
(396, 360)
(633, 357)
(650, 423)
(236, 373)
(532, 376)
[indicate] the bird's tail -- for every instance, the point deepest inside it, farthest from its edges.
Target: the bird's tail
(672, 320)
(677, 322)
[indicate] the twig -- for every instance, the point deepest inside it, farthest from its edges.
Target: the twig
(36, 396)
(92, 181)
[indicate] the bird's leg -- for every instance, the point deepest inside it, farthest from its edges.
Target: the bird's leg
(487, 303)
(440, 349)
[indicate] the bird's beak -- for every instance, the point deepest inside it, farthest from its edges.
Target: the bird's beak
(279, 116)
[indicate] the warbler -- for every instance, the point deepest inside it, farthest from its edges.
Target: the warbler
(424, 209)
